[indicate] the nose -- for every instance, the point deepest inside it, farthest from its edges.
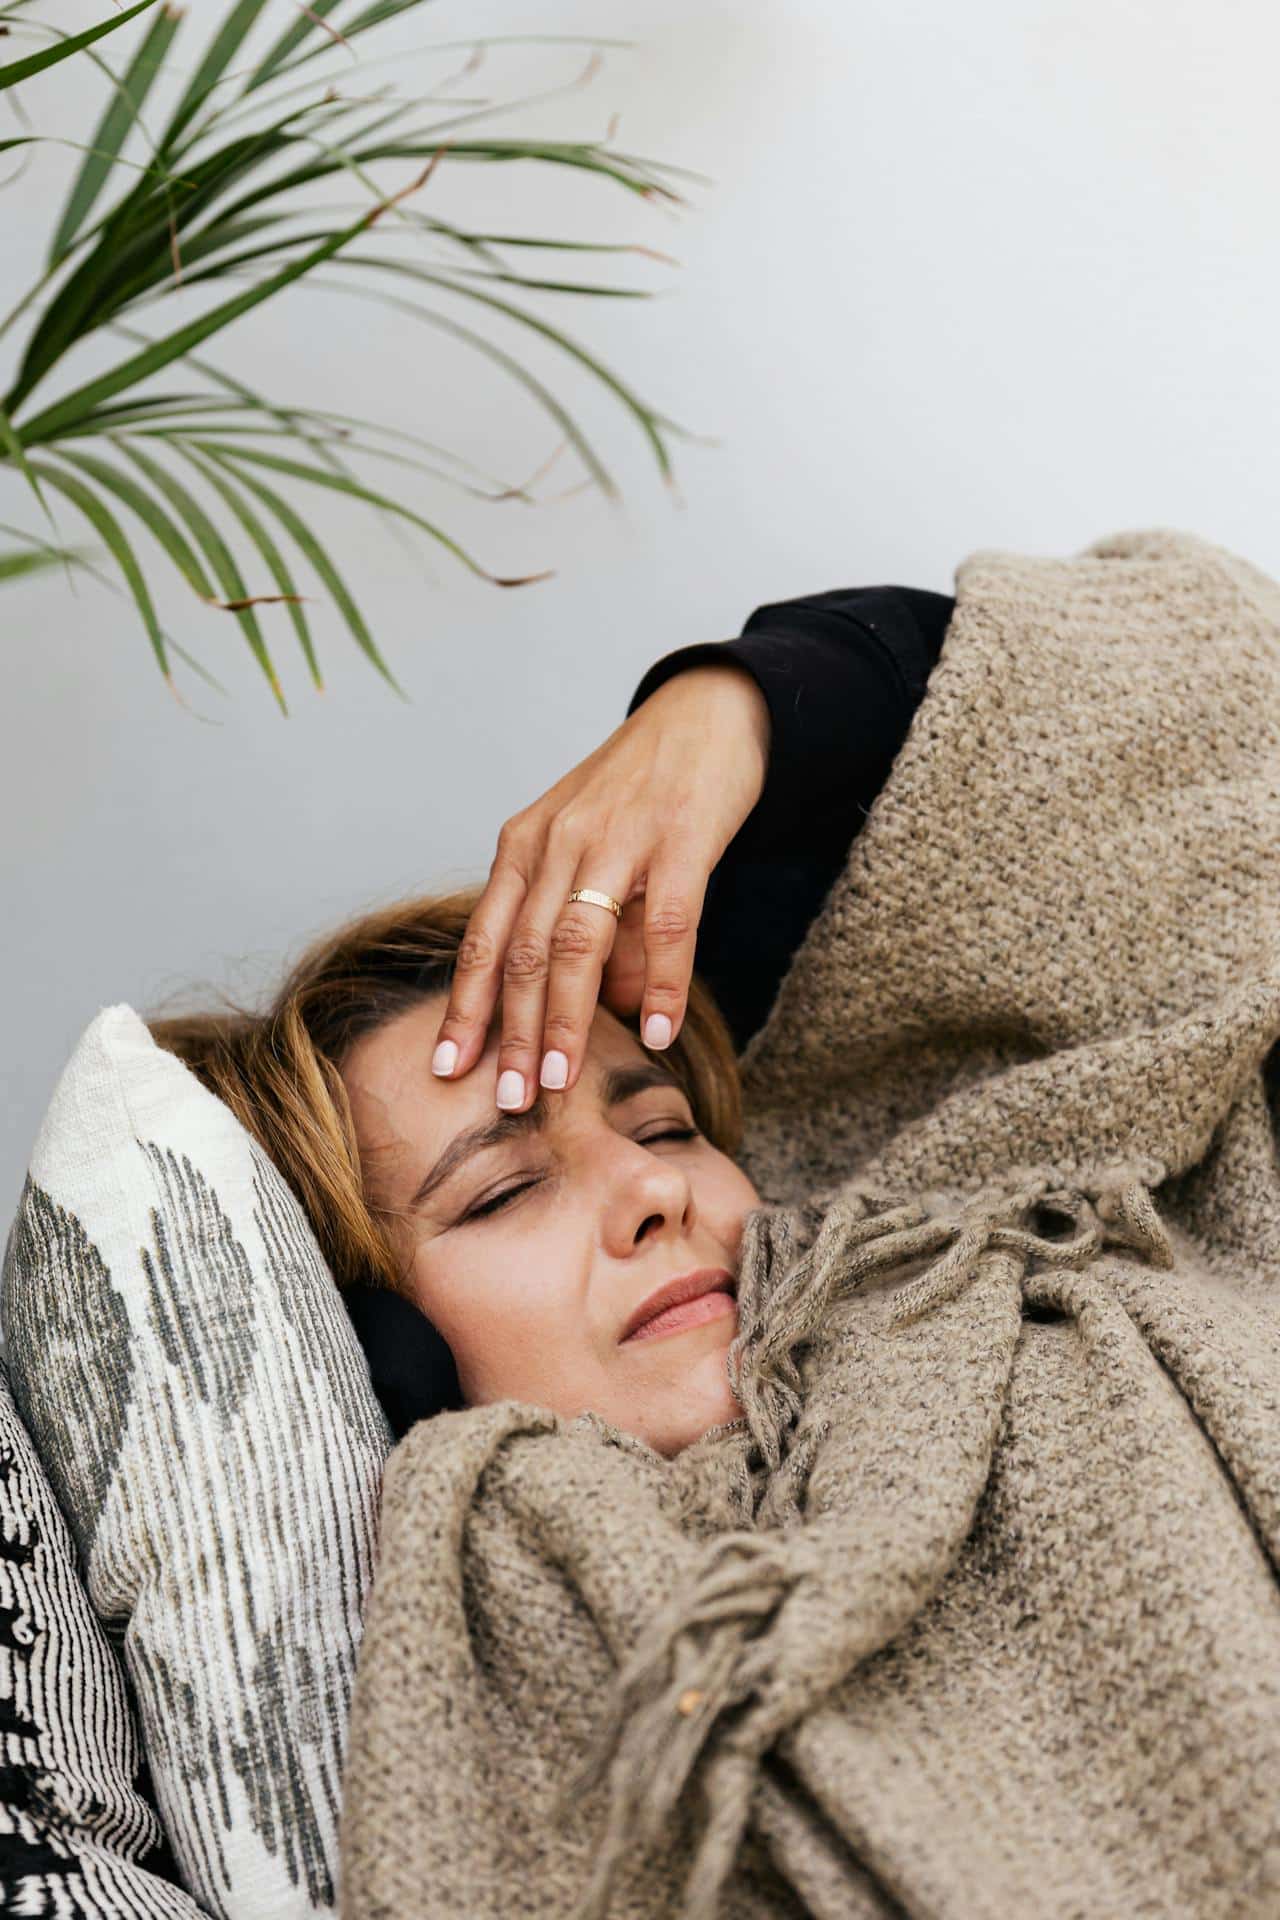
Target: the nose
(651, 1198)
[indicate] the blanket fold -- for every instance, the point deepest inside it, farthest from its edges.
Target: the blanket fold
(976, 1611)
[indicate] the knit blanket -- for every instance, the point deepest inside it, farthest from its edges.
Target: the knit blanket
(975, 1612)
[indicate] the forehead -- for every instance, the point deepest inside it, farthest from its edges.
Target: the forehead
(404, 1111)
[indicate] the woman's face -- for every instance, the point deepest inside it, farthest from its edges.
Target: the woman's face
(531, 1248)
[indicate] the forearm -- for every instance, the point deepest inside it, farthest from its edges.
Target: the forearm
(842, 675)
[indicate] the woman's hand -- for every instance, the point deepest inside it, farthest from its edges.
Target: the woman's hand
(645, 818)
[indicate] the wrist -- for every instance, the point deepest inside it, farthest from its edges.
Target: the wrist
(733, 685)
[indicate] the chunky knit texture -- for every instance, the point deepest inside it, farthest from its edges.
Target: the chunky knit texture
(975, 1613)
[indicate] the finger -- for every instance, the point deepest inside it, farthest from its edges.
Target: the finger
(583, 942)
(552, 934)
(477, 977)
(622, 983)
(674, 895)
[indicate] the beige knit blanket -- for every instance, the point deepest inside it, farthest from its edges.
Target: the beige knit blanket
(976, 1613)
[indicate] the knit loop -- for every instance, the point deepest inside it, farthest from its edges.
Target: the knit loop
(1124, 1215)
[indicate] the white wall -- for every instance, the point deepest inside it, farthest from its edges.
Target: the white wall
(995, 275)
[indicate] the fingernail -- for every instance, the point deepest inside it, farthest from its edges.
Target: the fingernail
(510, 1088)
(445, 1057)
(555, 1068)
(657, 1030)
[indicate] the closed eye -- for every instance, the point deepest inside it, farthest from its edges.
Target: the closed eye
(499, 1200)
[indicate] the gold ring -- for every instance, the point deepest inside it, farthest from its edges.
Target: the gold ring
(597, 899)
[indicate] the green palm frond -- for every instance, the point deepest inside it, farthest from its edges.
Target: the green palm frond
(18, 70)
(122, 114)
(220, 206)
(32, 555)
(14, 564)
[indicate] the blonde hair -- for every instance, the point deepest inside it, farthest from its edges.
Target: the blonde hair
(279, 1071)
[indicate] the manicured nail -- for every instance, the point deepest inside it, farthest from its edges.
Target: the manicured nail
(555, 1068)
(510, 1088)
(657, 1030)
(445, 1057)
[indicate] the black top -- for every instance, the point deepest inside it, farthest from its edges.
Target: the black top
(843, 673)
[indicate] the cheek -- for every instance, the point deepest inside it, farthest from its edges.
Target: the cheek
(494, 1302)
(725, 1198)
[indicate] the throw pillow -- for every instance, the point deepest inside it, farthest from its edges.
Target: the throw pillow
(78, 1835)
(196, 1392)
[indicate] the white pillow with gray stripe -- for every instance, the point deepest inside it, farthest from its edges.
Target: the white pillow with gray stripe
(183, 1361)
(78, 1835)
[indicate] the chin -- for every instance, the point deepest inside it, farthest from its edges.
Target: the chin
(709, 1401)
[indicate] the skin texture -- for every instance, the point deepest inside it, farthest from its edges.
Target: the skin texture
(533, 1297)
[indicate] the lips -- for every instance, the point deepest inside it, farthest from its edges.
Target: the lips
(674, 1293)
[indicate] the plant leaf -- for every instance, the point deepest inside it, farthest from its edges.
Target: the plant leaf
(216, 552)
(110, 532)
(498, 272)
(49, 56)
(156, 521)
(135, 250)
(573, 246)
(79, 146)
(373, 16)
(18, 454)
(500, 357)
(285, 416)
(182, 435)
(225, 233)
(221, 51)
(115, 127)
(271, 554)
(634, 405)
(76, 557)
(463, 46)
(575, 154)
(322, 478)
(220, 269)
(554, 286)
(160, 406)
(141, 366)
(14, 565)
(294, 525)
(289, 40)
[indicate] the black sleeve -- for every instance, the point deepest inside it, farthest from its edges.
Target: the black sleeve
(843, 673)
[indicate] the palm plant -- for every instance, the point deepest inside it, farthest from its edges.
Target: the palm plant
(222, 201)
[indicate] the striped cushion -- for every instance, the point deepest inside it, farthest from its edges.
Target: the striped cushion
(77, 1833)
(200, 1403)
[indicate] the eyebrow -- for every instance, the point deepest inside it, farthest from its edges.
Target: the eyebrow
(617, 1084)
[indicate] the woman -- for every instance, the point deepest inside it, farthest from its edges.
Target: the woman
(514, 1232)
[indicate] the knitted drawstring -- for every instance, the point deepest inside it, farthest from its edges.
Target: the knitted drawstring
(697, 1659)
(711, 1648)
(777, 1321)
(1112, 1207)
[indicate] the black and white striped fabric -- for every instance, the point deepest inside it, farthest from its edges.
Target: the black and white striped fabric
(198, 1398)
(78, 1835)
